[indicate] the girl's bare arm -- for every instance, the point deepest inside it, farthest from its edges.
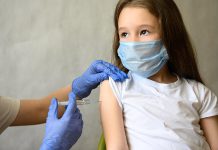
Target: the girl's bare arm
(112, 119)
(210, 128)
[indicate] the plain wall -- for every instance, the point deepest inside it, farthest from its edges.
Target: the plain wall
(45, 44)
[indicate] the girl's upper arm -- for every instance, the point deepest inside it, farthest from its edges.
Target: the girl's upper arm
(210, 128)
(112, 119)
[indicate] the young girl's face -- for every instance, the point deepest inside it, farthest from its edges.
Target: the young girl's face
(136, 24)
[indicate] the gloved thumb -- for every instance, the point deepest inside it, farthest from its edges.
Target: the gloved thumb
(53, 110)
(71, 108)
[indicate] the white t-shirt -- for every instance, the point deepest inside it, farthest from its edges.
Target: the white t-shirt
(9, 109)
(164, 116)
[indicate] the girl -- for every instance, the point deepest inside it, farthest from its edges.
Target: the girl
(164, 103)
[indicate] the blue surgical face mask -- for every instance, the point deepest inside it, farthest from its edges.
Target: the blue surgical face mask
(143, 58)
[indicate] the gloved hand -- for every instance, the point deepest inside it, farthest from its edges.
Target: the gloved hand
(62, 134)
(98, 71)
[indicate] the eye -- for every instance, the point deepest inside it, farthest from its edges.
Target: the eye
(123, 35)
(144, 32)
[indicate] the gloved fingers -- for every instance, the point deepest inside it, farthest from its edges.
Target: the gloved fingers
(79, 123)
(77, 126)
(112, 71)
(115, 69)
(77, 114)
(95, 66)
(71, 108)
(53, 110)
(96, 62)
(99, 77)
(114, 75)
(100, 67)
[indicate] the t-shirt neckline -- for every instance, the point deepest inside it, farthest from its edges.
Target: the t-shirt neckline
(154, 83)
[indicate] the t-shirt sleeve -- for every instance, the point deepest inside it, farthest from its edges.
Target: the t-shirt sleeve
(117, 89)
(209, 106)
(9, 108)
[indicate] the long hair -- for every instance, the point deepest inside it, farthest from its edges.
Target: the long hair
(182, 59)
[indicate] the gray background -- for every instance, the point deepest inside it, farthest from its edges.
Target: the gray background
(44, 44)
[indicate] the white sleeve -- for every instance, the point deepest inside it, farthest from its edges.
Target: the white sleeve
(9, 108)
(209, 105)
(117, 89)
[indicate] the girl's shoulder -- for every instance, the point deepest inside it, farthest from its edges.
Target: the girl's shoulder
(199, 88)
(208, 99)
(196, 85)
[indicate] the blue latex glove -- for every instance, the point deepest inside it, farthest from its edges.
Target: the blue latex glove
(98, 71)
(62, 134)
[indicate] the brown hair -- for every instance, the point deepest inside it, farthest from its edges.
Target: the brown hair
(174, 36)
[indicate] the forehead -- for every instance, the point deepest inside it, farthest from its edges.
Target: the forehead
(136, 16)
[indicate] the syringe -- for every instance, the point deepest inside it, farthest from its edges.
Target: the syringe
(78, 102)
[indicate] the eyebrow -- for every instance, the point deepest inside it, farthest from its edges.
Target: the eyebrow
(141, 26)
